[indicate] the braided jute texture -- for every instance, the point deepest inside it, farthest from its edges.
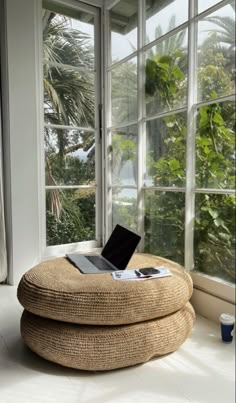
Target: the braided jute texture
(99, 348)
(56, 289)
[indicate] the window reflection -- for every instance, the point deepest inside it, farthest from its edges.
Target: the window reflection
(166, 74)
(214, 236)
(163, 16)
(124, 156)
(124, 93)
(164, 224)
(216, 54)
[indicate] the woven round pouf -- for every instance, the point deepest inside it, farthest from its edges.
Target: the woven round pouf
(100, 348)
(57, 290)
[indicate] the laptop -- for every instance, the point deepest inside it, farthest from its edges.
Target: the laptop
(115, 254)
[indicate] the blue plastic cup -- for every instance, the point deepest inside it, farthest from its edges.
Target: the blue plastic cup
(227, 322)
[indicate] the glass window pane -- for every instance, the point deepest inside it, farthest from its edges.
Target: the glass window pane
(123, 26)
(124, 208)
(163, 16)
(215, 146)
(69, 157)
(164, 224)
(67, 40)
(69, 97)
(124, 93)
(165, 158)
(166, 74)
(216, 54)
(124, 156)
(70, 216)
(205, 4)
(214, 239)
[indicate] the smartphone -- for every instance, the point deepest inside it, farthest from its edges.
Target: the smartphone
(147, 271)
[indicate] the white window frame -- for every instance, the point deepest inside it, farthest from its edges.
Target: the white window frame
(215, 286)
(22, 79)
(57, 250)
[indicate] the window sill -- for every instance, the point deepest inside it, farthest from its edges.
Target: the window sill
(51, 252)
(214, 286)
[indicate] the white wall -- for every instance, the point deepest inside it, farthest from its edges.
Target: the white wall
(22, 77)
(22, 123)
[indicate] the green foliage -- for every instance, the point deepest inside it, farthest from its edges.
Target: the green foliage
(68, 100)
(124, 211)
(215, 242)
(71, 217)
(214, 80)
(124, 148)
(77, 218)
(166, 157)
(215, 146)
(164, 224)
(70, 170)
(215, 163)
(164, 212)
(165, 81)
(68, 93)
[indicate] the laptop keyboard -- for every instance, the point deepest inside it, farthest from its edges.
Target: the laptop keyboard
(100, 263)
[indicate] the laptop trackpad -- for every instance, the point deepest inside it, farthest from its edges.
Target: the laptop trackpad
(100, 263)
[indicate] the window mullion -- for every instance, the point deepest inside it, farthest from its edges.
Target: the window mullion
(108, 122)
(166, 36)
(49, 187)
(98, 123)
(211, 10)
(215, 191)
(167, 113)
(165, 189)
(65, 127)
(141, 124)
(216, 100)
(122, 61)
(123, 125)
(190, 144)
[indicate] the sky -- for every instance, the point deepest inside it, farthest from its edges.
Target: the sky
(122, 45)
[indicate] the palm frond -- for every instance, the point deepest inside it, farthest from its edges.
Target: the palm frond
(172, 23)
(70, 95)
(226, 28)
(63, 44)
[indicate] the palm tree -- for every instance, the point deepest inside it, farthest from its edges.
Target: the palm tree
(222, 37)
(68, 94)
(172, 44)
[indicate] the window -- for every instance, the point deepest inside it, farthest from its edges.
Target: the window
(171, 129)
(169, 135)
(71, 125)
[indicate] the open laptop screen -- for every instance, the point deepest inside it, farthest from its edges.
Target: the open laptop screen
(120, 247)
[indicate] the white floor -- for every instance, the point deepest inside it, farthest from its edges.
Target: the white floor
(201, 371)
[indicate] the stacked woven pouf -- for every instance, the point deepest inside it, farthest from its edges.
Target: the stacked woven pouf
(93, 322)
